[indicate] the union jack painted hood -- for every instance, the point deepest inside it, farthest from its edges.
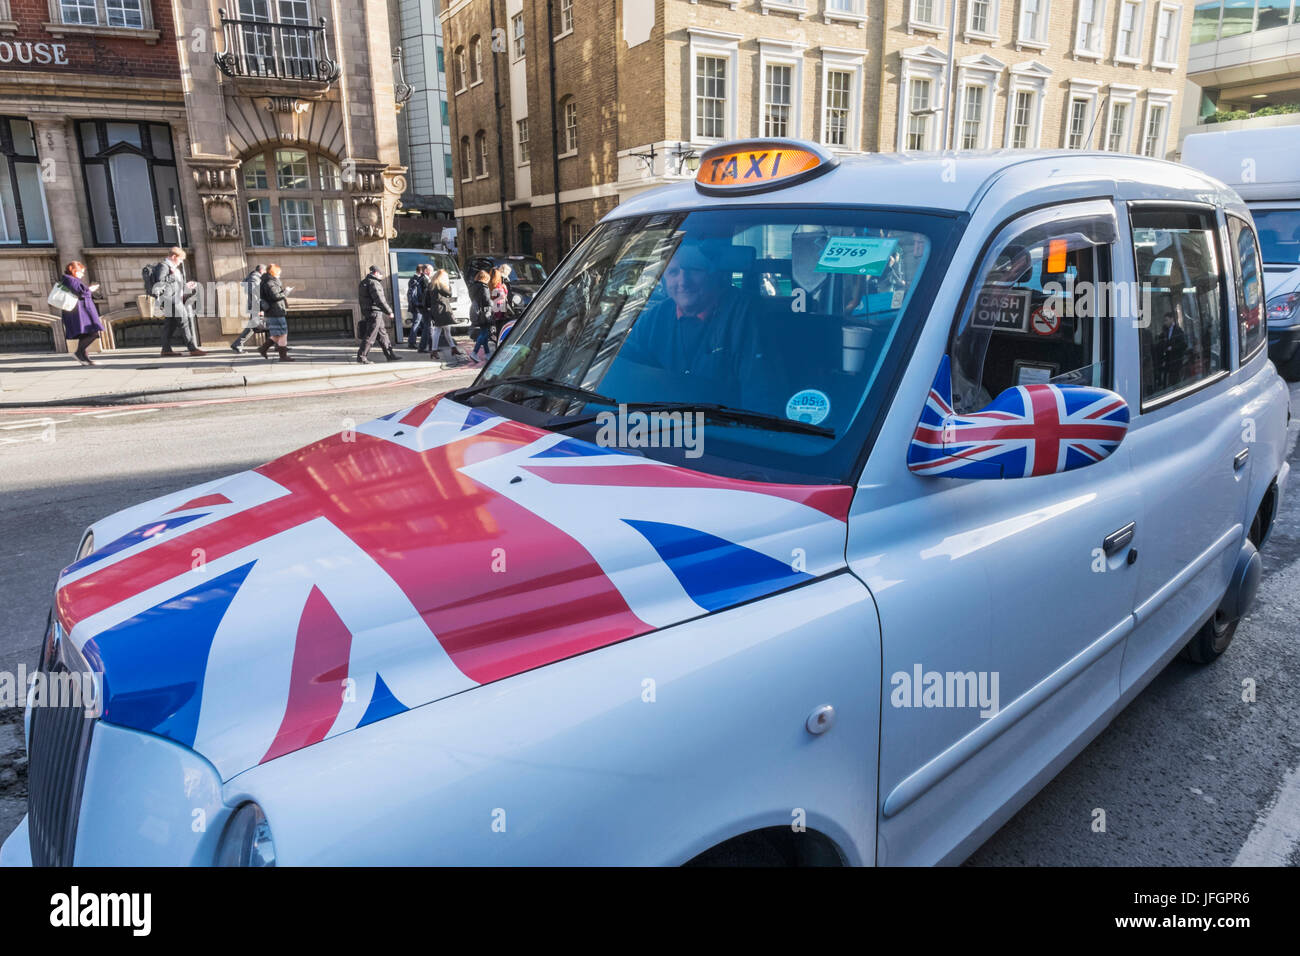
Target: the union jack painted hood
(430, 551)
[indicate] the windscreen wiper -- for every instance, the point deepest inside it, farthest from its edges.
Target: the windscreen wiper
(724, 413)
(537, 382)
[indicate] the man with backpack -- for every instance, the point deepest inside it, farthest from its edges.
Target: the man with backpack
(417, 290)
(169, 287)
(252, 307)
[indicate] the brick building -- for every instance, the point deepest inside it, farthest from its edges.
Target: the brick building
(641, 87)
(265, 133)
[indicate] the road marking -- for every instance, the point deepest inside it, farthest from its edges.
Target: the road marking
(1277, 831)
(134, 411)
(36, 423)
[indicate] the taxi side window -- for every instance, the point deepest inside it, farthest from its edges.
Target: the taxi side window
(1036, 312)
(1182, 315)
(1251, 332)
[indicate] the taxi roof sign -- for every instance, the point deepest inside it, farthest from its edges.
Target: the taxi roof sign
(756, 165)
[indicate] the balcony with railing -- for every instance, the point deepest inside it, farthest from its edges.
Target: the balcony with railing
(261, 50)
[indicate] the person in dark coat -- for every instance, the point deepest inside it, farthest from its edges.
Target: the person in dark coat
(275, 298)
(82, 321)
(170, 291)
(480, 313)
(374, 309)
(417, 290)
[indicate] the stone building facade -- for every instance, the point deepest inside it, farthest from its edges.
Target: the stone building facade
(264, 133)
(643, 86)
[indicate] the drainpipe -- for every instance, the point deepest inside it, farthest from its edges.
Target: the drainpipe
(555, 131)
(501, 146)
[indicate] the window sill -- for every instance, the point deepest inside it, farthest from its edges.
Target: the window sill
(461, 90)
(8, 26)
(1158, 65)
(481, 176)
(125, 33)
(570, 153)
(916, 26)
(1022, 44)
(980, 37)
(843, 17)
(561, 36)
(1128, 60)
(768, 6)
(478, 82)
(526, 162)
(1094, 55)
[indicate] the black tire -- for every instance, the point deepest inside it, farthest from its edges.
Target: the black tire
(1291, 370)
(1212, 639)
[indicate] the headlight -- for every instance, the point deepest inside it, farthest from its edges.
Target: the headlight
(87, 545)
(517, 298)
(1283, 310)
(247, 840)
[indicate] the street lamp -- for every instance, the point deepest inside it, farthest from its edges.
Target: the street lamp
(681, 155)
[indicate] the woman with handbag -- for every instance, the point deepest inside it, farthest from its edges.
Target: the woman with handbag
(274, 301)
(437, 305)
(480, 313)
(81, 319)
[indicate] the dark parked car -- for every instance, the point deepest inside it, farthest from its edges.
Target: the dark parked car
(527, 275)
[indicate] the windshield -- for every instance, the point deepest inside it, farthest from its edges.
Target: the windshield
(1279, 235)
(407, 260)
(795, 317)
(530, 273)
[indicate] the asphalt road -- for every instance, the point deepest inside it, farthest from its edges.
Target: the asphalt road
(1188, 774)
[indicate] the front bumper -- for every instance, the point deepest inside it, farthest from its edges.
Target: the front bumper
(1284, 347)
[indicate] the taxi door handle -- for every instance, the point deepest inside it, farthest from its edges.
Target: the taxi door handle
(1239, 460)
(1117, 540)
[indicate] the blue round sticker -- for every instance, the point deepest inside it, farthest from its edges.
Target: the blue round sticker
(809, 406)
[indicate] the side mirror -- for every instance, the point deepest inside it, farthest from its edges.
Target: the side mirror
(1027, 430)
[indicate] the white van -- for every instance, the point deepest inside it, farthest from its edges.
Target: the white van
(1263, 166)
(401, 267)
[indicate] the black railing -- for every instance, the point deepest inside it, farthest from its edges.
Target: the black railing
(286, 51)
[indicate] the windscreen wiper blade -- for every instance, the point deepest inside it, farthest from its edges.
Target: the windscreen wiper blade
(725, 413)
(537, 382)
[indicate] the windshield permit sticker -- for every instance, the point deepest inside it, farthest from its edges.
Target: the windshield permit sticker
(809, 406)
(857, 255)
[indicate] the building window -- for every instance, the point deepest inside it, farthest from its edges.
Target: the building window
(569, 136)
(487, 239)
(461, 70)
(131, 182)
(126, 14)
(1022, 119)
(711, 97)
(572, 233)
(465, 173)
(1088, 34)
(1166, 49)
(972, 118)
(838, 104)
(1034, 16)
(294, 190)
(521, 137)
(776, 99)
(298, 221)
(24, 216)
(480, 154)
(1117, 128)
(1153, 133)
(471, 243)
(1077, 130)
(566, 16)
(927, 13)
(920, 117)
(475, 60)
(525, 231)
(1128, 37)
(982, 18)
(517, 28)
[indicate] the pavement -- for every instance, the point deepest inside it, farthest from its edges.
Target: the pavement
(141, 376)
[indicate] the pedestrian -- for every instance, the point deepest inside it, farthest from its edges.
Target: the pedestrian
(275, 299)
(441, 319)
(374, 309)
(417, 288)
(82, 321)
(480, 313)
(252, 307)
(170, 288)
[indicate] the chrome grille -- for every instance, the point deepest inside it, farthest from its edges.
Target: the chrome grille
(58, 746)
